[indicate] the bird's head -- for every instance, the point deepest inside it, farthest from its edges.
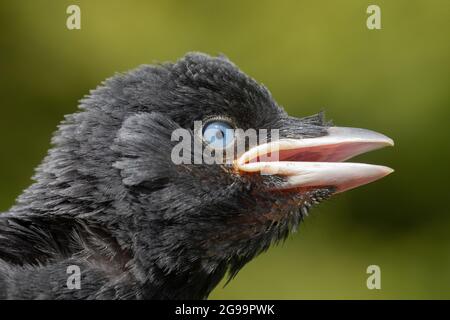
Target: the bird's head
(136, 146)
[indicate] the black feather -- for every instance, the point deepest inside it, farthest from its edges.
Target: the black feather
(108, 198)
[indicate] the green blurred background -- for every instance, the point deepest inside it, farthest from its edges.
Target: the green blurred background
(313, 55)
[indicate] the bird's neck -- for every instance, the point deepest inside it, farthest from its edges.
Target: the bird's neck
(181, 285)
(56, 207)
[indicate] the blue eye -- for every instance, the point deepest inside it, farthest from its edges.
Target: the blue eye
(218, 134)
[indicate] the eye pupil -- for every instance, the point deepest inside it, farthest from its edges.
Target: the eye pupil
(218, 134)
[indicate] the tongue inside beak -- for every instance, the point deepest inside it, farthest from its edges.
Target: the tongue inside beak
(315, 162)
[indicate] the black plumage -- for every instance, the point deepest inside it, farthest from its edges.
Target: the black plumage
(108, 198)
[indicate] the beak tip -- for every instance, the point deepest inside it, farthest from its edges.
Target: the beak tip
(388, 171)
(389, 142)
(374, 173)
(384, 141)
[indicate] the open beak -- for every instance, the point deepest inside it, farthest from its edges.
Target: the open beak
(316, 162)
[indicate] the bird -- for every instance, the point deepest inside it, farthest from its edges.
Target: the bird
(109, 198)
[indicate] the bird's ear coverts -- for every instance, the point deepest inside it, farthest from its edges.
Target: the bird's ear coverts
(143, 141)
